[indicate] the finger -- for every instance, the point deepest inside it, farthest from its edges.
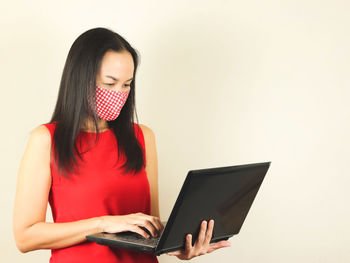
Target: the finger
(139, 230)
(209, 232)
(161, 225)
(201, 236)
(143, 221)
(220, 244)
(158, 224)
(150, 227)
(188, 246)
(151, 223)
(174, 253)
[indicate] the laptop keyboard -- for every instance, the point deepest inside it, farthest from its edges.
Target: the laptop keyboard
(134, 237)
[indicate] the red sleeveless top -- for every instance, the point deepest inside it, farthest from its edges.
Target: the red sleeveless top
(99, 187)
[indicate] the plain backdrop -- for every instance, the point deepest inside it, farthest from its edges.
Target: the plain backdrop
(220, 83)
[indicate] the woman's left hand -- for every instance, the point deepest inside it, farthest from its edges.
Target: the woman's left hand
(202, 245)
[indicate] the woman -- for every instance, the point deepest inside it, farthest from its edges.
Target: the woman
(95, 166)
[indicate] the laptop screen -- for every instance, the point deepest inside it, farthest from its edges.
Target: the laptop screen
(224, 194)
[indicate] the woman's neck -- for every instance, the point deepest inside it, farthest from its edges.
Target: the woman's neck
(90, 126)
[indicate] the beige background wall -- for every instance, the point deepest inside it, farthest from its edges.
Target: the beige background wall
(220, 83)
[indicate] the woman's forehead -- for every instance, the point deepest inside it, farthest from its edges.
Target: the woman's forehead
(117, 64)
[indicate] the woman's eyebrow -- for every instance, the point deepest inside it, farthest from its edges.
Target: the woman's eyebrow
(115, 78)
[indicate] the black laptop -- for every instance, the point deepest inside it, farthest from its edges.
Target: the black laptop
(224, 194)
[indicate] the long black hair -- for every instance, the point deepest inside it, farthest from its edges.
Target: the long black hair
(77, 86)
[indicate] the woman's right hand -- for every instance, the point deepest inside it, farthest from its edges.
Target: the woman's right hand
(132, 222)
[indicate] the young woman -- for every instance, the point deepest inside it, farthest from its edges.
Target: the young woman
(95, 166)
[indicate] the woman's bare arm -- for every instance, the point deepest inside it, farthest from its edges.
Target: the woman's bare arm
(31, 232)
(33, 185)
(151, 167)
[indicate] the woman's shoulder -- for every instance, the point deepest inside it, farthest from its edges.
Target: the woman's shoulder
(50, 126)
(148, 138)
(146, 130)
(40, 136)
(43, 132)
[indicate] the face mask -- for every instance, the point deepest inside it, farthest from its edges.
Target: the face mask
(109, 103)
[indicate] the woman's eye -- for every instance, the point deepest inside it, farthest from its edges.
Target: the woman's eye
(109, 84)
(127, 85)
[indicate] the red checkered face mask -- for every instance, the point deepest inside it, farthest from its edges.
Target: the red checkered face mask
(109, 103)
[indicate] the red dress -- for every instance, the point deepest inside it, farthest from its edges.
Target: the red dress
(99, 188)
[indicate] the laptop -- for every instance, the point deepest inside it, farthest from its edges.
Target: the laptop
(224, 194)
